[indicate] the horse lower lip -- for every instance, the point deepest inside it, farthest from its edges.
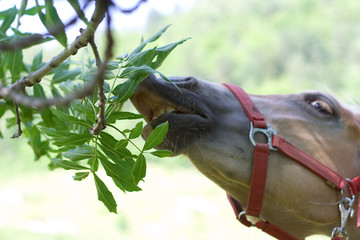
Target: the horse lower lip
(184, 129)
(181, 119)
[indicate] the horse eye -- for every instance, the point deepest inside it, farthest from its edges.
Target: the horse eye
(322, 106)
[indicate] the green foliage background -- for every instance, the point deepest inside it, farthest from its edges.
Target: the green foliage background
(277, 46)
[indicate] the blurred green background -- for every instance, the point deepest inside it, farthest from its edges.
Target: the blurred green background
(277, 46)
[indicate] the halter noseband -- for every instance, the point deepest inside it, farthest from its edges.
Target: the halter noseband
(258, 178)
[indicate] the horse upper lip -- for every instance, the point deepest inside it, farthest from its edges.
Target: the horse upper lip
(152, 106)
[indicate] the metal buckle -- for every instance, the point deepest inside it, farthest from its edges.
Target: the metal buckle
(346, 211)
(269, 132)
(252, 219)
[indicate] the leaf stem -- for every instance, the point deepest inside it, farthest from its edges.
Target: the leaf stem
(128, 139)
(96, 155)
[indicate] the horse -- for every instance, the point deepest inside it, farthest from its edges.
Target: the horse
(210, 124)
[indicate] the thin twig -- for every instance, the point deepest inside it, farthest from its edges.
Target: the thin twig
(100, 124)
(18, 122)
(130, 10)
(108, 55)
(124, 135)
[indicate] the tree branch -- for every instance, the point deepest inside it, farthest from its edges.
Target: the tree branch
(36, 76)
(102, 99)
(37, 38)
(80, 42)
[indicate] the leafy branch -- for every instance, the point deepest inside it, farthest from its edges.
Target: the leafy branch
(64, 118)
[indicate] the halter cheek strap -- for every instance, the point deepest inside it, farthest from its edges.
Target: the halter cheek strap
(258, 179)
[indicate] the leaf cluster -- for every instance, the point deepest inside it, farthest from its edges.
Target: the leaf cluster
(61, 133)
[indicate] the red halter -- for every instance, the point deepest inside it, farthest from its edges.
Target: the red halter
(258, 179)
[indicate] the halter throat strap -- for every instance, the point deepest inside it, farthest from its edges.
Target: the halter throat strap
(259, 171)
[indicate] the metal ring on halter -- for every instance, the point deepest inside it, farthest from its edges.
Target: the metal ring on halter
(346, 212)
(340, 232)
(243, 213)
(268, 132)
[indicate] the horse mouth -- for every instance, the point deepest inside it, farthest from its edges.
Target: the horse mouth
(153, 107)
(160, 102)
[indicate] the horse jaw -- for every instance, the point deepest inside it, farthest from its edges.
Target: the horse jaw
(218, 145)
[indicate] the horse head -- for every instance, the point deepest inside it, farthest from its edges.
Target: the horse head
(207, 123)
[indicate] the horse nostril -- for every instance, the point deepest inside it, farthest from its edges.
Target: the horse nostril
(181, 79)
(185, 82)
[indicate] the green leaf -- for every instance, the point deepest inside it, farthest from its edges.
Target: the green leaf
(139, 170)
(147, 57)
(90, 74)
(106, 87)
(67, 164)
(137, 74)
(121, 174)
(112, 65)
(121, 144)
(75, 4)
(73, 139)
(3, 109)
(39, 91)
(108, 143)
(47, 117)
(55, 133)
(32, 11)
(21, 11)
(162, 153)
(80, 176)
(125, 90)
(8, 19)
(53, 23)
(114, 116)
(156, 136)
(66, 75)
(39, 147)
(136, 131)
(79, 153)
(94, 163)
(69, 87)
(67, 118)
(162, 53)
(10, 122)
(84, 109)
(26, 113)
(149, 40)
(104, 195)
(66, 138)
(142, 58)
(37, 60)
(45, 113)
(62, 67)
(13, 58)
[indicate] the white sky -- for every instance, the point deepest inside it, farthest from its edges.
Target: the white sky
(120, 21)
